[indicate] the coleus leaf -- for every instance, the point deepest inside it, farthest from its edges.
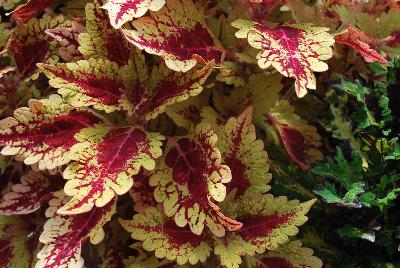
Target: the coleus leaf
(361, 43)
(28, 196)
(300, 139)
(267, 222)
(290, 255)
(295, 50)
(30, 45)
(166, 87)
(190, 175)
(68, 40)
(101, 39)
(178, 34)
(161, 234)
(142, 193)
(94, 82)
(245, 156)
(122, 11)
(64, 236)
(24, 12)
(18, 242)
(43, 132)
(105, 159)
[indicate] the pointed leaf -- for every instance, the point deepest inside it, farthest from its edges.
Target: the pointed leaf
(163, 236)
(64, 236)
(106, 158)
(122, 11)
(267, 223)
(300, 139)
(26, 11)
(189, 176)
(361, 43)
(28, 196)
(178, 34)
(30, 45)
(44, 132)
(101, 39)
(295, 50)
(244, 155)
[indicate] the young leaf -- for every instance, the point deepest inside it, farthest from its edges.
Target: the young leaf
(44, 132)
(295, 50)
(178, 34)
(290, 255)
(105, 159)
(64, 236)
(101, 39)
(300, 139)
(24, 12)
(359, 41)
(122, 11)
(28, 196)
(163, 236)
(245, 156)
(267, 223)
(142, 193)
(189, 176)
(30, 45)
(94, 82)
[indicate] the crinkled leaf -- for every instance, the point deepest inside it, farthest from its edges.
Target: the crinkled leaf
(43, 132)
(105, 159)
(295, 50)
(163, 236)
(190, 175)
(30, 45)
(267, 223)
(28, 196)
(26, 11)
(101, 39)
(178, 34)
(300, 139)
(64, 236)
(122, 11)
(244, 155)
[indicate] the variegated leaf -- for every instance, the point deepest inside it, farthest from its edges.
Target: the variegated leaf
(43, 132)
(300, 139)
(24, 12)
(267, 222)
(101, 39)
(244, 155)
(30, 45)
(295, 50)
(28, 196)
(64, 236)
(142, 193)
(163, 236)
(178, 34)
(122, 11)
(190, 175)
(105, 159)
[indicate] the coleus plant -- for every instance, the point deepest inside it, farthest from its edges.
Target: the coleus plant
(143, 133)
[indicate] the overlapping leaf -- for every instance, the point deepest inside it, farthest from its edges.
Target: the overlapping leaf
(267, 223)
(122, 11)
(142, 193)
(300, 139)
(24, 12)
(178, 34)
(101, 39)
(43, 132)
(105, 159)
(245, 156)
(163, 236)
(295, 50)
(30, 44)
(28, 196)
(64, 236)
(190, 175)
